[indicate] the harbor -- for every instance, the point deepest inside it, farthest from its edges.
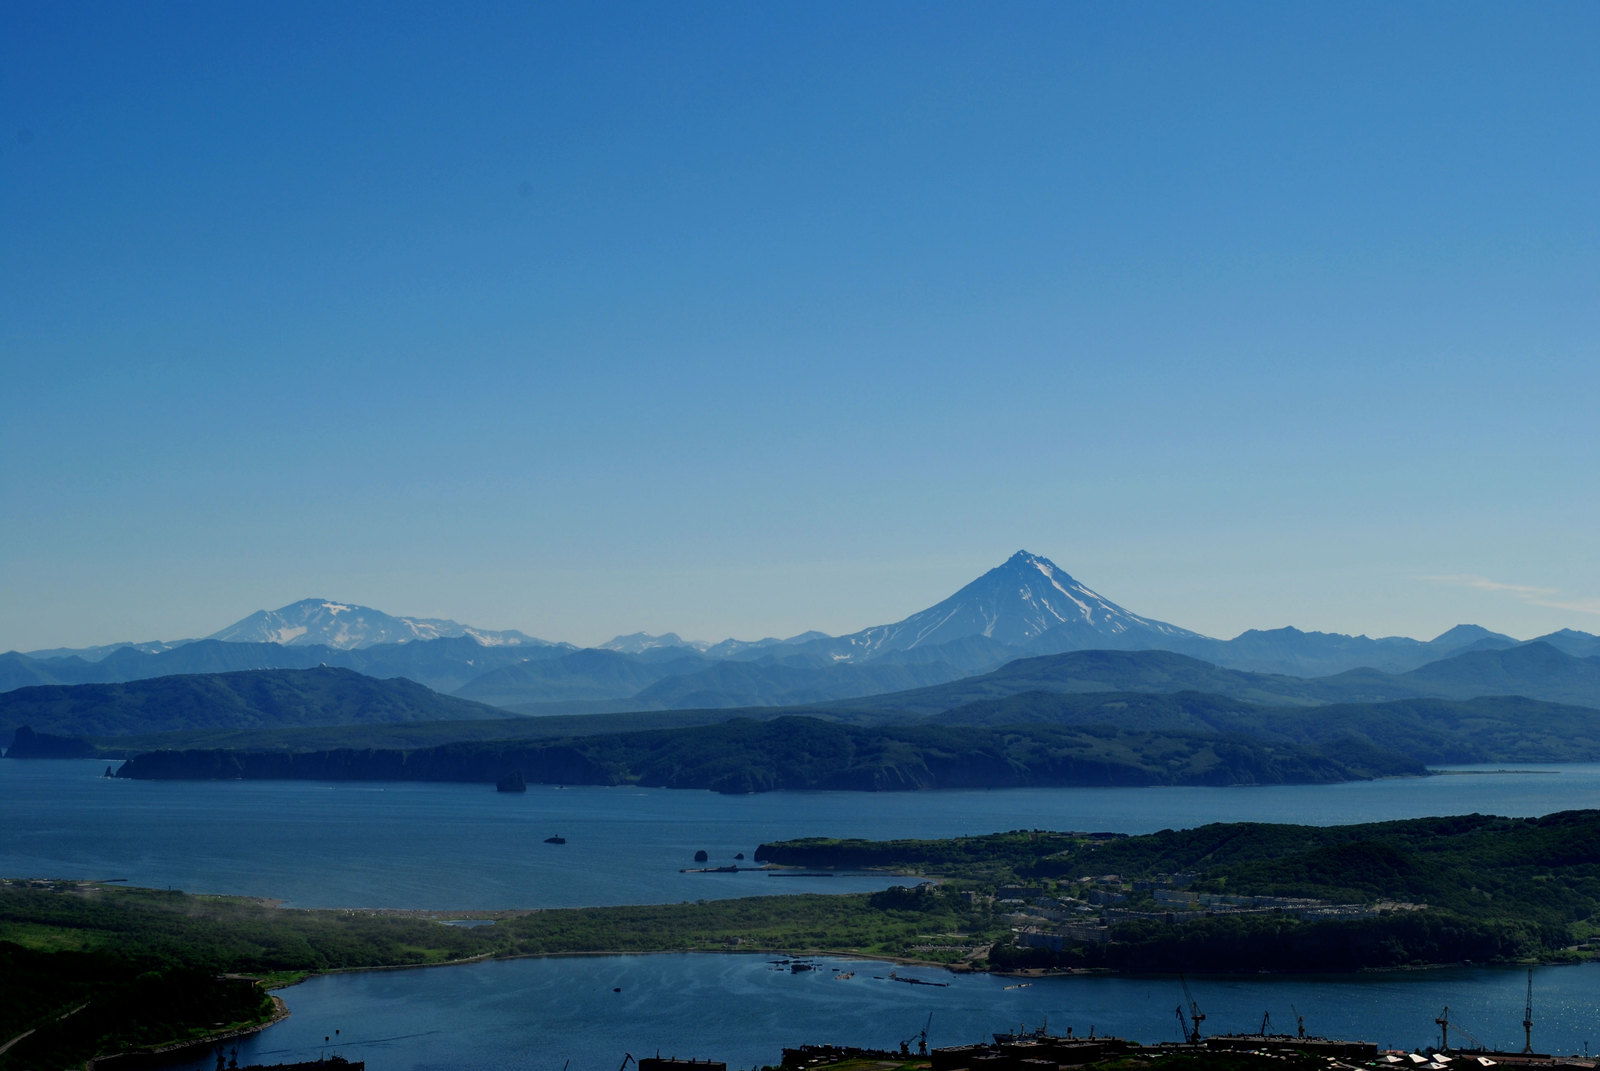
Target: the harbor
(744, 1010)
(412, 844)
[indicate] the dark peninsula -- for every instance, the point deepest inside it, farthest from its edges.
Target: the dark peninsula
(746, 755)
(161, 966)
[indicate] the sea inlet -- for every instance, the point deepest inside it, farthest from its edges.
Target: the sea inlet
(465, 846)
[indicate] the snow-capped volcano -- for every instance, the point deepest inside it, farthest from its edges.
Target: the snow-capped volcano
(1015, 603)
(345, 626)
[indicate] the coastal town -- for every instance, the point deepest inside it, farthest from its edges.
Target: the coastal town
(1045, 917)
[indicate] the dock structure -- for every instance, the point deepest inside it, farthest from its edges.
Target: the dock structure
(1039, 1051)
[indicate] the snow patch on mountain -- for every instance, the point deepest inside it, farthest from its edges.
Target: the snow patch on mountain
(1014, 603)
(638, 642)
(345, 626)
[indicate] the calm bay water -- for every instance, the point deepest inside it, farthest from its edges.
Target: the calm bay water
(538, 1014)
(464, 846)
(357, 844)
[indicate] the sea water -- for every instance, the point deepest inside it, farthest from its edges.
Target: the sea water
(465, 846)
(425, 845)
(542, 1013)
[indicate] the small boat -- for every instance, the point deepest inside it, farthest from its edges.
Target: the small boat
(555, 840)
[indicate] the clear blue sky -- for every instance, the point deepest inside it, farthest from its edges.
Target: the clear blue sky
(743, 319)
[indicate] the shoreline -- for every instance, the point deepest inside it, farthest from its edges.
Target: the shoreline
(910, 961)
(163, 1055)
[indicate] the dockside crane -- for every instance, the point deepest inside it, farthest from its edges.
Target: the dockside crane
(921, 1038)
(1266, 1023)
(1196, 1016)
(1299, 1020)
(1527, 1017)
(1444, 1029)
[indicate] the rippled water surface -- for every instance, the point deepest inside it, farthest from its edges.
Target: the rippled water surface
(447, 845)
(465, 846)
(538, 1014)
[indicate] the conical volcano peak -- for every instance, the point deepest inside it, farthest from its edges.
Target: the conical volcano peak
(1024, 560)
(1014, 604)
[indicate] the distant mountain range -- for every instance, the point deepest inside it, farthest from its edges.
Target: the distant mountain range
(1533, 671)
(1524, 681)
(1025, 607)
(343, 626)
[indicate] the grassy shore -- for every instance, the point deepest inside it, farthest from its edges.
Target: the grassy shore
(153, 964)
(137, 967)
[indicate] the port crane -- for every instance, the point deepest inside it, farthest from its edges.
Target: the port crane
(1527, 1017)
(1444, 1031)
(1195, 1014)
(921, 1038)
(1266, 1023)
(1299, 1020)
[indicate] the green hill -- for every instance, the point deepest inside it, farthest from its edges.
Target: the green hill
(1534, 670)
(1255, 896)
(252, 699)
(1433, 731)
(806, 753)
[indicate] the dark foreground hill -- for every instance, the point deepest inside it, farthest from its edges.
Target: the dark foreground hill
(271, 698)
(1432, 731)
(1111, 737)
(806, 753)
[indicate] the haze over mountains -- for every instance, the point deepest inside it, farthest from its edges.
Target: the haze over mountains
(1026, 606)
(311, 622)
(1023, 677)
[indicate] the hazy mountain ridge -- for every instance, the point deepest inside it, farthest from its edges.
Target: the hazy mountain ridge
(1144, 690)
(1534, 671)
(1025, 606)
(271, 698)
(345, 625)
(94, 654)
(1314, 654)
(443, 665)
(591, 673)
(1085, 717)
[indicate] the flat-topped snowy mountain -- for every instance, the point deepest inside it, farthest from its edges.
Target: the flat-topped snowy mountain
(344, 626)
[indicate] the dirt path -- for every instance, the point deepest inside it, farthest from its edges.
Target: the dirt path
(13, 1041)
